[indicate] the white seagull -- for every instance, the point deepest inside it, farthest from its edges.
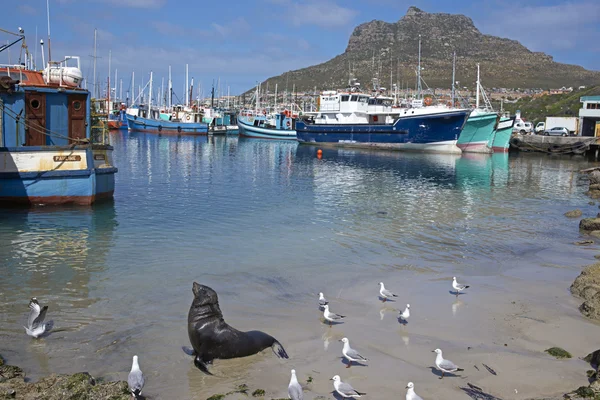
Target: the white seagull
(457, 286)
(135, 379)
(404, 315)
(322, 300)
(445, 365)
(410, 392)
(294, 388)
(344, 389)
(350, 354)
(35, 323)
(384, 293)
(331, 317)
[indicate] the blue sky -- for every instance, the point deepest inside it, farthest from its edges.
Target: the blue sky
(243, 41)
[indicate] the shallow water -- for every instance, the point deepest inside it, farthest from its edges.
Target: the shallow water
(268, 225)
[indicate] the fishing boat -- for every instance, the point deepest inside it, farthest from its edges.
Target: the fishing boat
(478, 133)
(350, 119)
(502, 134)
(280, 126)
(179, 119)
(117, 119)
(50, 149)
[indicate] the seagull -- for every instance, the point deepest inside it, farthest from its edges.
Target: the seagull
(384, 293)
(344, 389)
(350, 353)
(404, 315)
(331, 317)
(294, 388)
(35, 323)
(445, 365)
(457, 286)
(410, 393)
(135, 379)
(322, 300)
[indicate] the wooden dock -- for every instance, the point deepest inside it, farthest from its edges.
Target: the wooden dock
(556, 144)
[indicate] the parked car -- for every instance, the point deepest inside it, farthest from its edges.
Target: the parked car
(557, 131)
(523, 127)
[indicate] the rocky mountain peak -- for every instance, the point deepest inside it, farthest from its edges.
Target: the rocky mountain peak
(412, 10)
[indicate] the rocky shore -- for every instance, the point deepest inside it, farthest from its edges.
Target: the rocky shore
(79, 386)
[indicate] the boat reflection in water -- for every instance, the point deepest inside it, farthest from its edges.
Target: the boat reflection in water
(52, 253)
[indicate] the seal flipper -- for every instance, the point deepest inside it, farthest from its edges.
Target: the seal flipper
(188, 351)
(201, 365)
(279, 350)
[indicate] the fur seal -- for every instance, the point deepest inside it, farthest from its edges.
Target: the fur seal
(211, 337)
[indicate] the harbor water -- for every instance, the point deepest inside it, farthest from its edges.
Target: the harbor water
(269, 225)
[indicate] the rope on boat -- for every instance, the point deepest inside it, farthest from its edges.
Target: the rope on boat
(19, 119)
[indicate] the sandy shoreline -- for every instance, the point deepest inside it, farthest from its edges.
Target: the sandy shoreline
(505, 321)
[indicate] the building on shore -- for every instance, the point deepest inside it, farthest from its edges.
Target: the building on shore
(589, 116)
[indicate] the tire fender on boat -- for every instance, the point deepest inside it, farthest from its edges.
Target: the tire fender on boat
(179, 129)
(160, 128)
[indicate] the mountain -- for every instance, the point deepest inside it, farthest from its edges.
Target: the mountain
(380, 47)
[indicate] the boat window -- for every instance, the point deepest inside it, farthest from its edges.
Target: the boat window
(77, 105)
(364, 99)
(35, 104)
(16, 76)
(354, 98)
(345, 98)
(371, 102)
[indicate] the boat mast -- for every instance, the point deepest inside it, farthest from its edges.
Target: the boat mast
(108, 86)
(170, 89)
(162, 92)
(453, 77)
(185, 91)
(133, 88)
(48, 13)
(275, 97)
(478, 87)
(109, 62)
(419, 71)
(95, 88)
(150, 98)
(121, 89)
(116, 82)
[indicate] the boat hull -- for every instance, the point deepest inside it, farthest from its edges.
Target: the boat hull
(139, 124)
(429, 133)
(501, 142)
(248, 130)
(79, 175)
(477, 134)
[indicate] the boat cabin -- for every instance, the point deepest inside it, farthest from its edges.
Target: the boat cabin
(38, 110)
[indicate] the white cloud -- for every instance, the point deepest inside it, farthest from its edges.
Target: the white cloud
(547, 27)
(326, 13)
(27, 9)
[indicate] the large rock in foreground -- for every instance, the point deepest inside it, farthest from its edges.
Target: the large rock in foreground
(589, 224)
(80, 386)
(587, 287)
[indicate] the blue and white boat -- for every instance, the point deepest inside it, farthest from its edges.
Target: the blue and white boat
(351, 119)
(49, 153)
(179, 121)
(278, 126)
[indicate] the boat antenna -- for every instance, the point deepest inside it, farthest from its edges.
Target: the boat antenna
(453, 77)
(42, 45)
(48, 14)
(419, 88)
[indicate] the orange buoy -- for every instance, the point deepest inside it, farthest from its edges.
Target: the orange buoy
(320, 152)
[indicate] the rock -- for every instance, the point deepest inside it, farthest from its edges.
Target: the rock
(594, 194)
(584, 242)
(595, 234)
(592, 203)
(597, 256)
(590, 224)
(587, 287)
(594, 359)
(574, 213)
(78, 386)
(558, 352)
(594, 177)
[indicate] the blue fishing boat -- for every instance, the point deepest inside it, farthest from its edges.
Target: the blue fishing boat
(359, 120)
(153, 125)
(279, 126)
(50, 151)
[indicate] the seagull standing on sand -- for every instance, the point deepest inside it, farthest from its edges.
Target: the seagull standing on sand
(35, 323)
(344, 389)
(445, 365)
(457, 286)
(410, 392)
(384, 293)
(135, 379)
(294, 388)
(322, 300)
(404, 315)
(331, 317)
(350, 354)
